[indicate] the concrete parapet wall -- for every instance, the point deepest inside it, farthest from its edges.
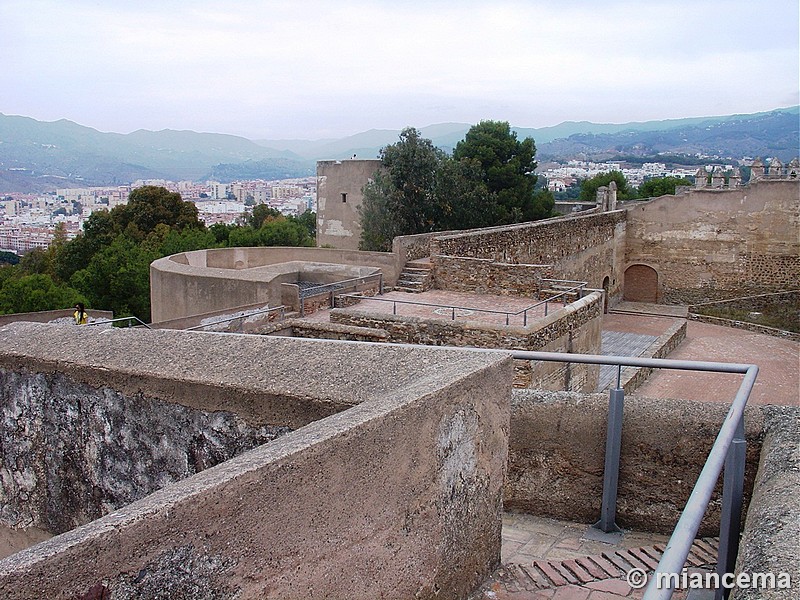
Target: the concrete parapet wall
(45, 316)
(400, 496)
(771, 540)
(202, 281)
(573, 328)
(486, 276)
(557, 449)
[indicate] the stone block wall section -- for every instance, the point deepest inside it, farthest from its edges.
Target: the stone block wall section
(587, 247)
(557, 448)
(716, 244)
(390, 486)
(573, 328)
(487, 276)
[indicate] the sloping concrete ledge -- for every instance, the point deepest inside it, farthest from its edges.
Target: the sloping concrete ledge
(771, 540)
(400, 496)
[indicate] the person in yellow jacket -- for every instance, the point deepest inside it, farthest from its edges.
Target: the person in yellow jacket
(80, 316)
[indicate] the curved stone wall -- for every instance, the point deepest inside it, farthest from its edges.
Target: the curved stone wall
(203, 281)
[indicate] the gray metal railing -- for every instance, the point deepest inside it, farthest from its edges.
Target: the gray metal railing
(579, 290)
(119, 320)
(728, 452)
(336, 286)
(280, 308)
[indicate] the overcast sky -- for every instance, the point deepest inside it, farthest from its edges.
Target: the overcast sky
(317, 69)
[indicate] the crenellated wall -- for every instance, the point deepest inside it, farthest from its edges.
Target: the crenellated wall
(712, 244)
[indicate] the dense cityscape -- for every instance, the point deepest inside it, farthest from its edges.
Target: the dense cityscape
(27, 221)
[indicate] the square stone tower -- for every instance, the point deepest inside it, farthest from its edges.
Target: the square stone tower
(339, 184)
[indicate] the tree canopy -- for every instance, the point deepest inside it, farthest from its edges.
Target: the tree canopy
(107, 266)
(508, 167)
(590, 186)
(488, 180)
(661, 186)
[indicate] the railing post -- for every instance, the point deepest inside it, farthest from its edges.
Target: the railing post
(507, 318)
(394, 308)
(546, 303)
(380, 284)
(525, 318)
(453, 317)
(730, 520)
(608, 510)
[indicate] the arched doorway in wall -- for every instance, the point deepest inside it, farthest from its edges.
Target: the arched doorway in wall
(605, 294)
(641, 284)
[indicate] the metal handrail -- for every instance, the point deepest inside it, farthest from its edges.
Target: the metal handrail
(345, 281)
(454, 308)
(281, 308)
(728, 450)
(128, 319)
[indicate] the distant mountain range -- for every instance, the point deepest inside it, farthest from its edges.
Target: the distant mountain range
(38, 156)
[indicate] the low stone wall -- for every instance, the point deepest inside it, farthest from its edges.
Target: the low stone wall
(45, 316)
(771, 540)
(557, 450)
(574, 328)
(633, 377)
(787, 335)
(486, 276)
(400, 496)
(584, 247)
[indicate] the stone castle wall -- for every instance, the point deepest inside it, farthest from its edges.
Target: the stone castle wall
(583, 248)
(574, 328)
(715, 244)
(487, 276)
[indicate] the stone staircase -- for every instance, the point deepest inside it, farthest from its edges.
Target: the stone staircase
(416, 277)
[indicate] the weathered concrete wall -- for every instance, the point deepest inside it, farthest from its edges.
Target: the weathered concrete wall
(557, 449)
(71, 453)
(204, 281)
(771, 540)
(714, 244)
(583, 247)
(398, 497)
(486, 276)
(339, 185)
(574, 328)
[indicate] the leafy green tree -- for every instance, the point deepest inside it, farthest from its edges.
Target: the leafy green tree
(8, 258)
(31, 293)
(282, 232)
(309, 221)
(261, 214)
(661, 186)
(117, 278)
(401, 199)
(508, 167)
(150, 205)
(463, 199)
(589, 186)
